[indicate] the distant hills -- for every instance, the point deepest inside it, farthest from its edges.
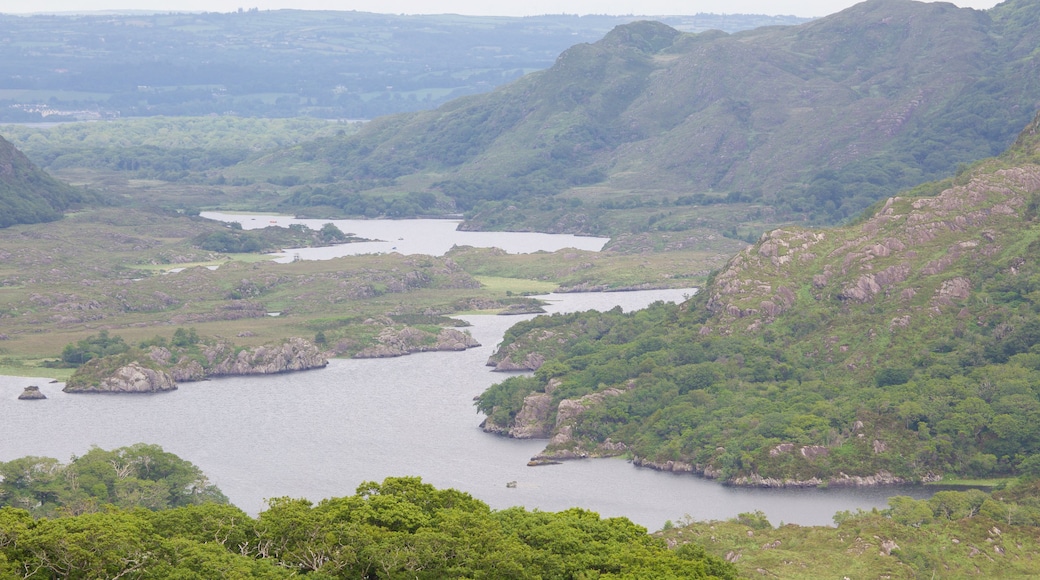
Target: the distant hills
(281, 63)
(817, 120)
(901, 347)
(28, 195)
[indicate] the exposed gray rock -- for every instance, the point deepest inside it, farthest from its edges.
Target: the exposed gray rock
(756, 480)
(781, 448)
(187, 370)
(295, 354)
(488, 425)
(132, 378)
(31, 393)
(562, 444)
(813, 451)
(673, 466)
(532, 422)
(531, 362)
(399, 342)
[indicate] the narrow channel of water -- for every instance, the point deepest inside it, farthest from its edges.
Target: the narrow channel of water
(321, 433)
(429, 236)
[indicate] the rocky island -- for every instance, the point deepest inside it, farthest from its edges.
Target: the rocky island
(160, 368)
(31, 393)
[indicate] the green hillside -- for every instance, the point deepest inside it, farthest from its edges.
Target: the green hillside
(28, 195)
(817, 120)
(902, 347)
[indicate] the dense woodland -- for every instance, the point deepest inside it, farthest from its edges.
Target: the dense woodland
(848, 343)
(140, 512)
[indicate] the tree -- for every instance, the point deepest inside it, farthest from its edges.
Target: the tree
(330, 234)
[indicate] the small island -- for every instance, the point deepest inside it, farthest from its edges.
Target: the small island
(31, 393)
(158, 365)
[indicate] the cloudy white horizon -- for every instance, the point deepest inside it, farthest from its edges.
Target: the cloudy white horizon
(804, 8)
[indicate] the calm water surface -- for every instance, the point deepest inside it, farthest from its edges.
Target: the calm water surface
(432, 236)
(321, 433)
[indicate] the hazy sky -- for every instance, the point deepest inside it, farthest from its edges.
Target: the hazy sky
(481, 7)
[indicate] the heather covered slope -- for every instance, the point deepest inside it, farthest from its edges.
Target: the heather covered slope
(900, 347)
(819, 119)
(27, 194)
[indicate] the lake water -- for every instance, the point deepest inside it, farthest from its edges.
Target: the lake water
(321, 433)
(431, 236)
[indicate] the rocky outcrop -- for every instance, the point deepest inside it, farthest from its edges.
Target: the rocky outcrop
(908, 245)
(522, 308)
(295, 354)
(840, 480)
(488, 425)
(31, 393)
(395, 342)
(532, 422)
(183, 371)
(131, 378)
(562, 444)
(671, 466)
(531, 362)
(529, 351)
(164, 367)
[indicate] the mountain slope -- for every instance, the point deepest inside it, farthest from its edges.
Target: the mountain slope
(27, 194)
(819, 119)
(901, 347)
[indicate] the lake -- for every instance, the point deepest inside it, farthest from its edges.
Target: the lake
(429, 236)
(321, 433)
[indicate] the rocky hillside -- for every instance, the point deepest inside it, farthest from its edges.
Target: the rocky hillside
(901, 347)
(28, 195)
(161, 367)
(819, 119)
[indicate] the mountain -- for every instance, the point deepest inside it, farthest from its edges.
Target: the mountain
(27, 194)
(341, 64)
(818, 120)
(902, 347)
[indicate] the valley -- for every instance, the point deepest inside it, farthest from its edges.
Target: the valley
(847, 207)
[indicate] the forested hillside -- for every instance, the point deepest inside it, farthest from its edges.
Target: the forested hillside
(140, 512)
(903, 347)
(818, 120)
(28, 195)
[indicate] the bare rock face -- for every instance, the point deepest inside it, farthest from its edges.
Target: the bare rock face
(186, 371)
(295, 354)
(489, 426)
(532, 362)
(453, 339)
(132, 378)
(894, 254)
(31, 393)
(528, 353)
(183, 371)
(562, 444)
(532, 422)
(672, 466)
